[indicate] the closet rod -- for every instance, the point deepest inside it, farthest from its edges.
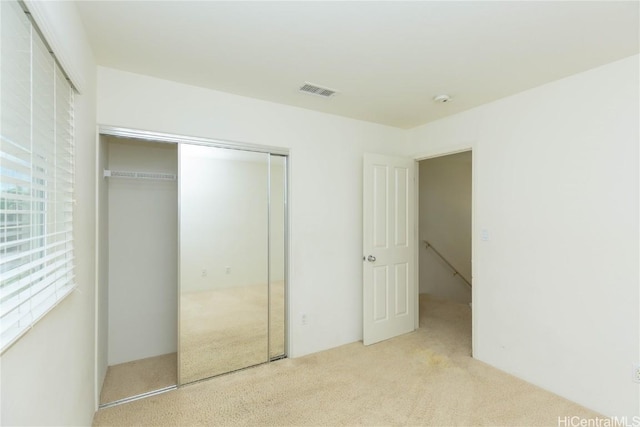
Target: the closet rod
(139, 175)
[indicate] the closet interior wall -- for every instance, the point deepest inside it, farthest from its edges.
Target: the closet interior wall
(138, 237)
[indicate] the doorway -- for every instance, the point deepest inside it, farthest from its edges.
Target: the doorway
(192, 261)
(445, 237)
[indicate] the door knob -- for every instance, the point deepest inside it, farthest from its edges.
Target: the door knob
(371, 258)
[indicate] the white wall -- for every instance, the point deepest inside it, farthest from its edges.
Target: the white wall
(556, 185)
(143, 252)
(326, 185)
(445, 222)
(47, 377)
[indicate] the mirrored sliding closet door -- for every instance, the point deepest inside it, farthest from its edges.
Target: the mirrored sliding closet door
(277, 257)
(231, 260)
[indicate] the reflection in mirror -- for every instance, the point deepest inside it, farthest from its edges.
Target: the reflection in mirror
(224, 317)
(277, 203)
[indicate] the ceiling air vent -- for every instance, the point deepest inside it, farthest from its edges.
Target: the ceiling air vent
(317, 90)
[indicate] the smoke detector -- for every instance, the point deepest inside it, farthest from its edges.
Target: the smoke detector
(314, 89)
(442, 99)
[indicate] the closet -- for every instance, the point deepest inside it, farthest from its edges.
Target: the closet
(191, 261)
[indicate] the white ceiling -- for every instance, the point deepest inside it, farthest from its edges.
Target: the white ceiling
(386, 59)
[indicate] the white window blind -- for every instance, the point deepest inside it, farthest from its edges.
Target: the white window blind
(36, 177)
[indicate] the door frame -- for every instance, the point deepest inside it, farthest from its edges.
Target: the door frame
(431, 154)
(108, 130)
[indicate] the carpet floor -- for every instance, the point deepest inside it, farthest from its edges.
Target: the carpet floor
(137, 377)
(424, 378)
(222, 330)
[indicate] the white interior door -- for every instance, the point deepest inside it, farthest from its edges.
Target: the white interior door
(388, 242)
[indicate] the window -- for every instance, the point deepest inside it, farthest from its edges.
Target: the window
(36, 176)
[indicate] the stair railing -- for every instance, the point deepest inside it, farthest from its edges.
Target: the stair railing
(455, 271)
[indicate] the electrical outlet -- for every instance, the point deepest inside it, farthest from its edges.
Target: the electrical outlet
(227, 270)
(636, 374)
(204, 272)
(303, 319)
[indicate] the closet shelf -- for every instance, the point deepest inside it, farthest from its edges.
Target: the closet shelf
(139, 175)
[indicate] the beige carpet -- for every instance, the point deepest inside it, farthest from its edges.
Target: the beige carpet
(137, 377)
(225, 329)
(423, 378)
